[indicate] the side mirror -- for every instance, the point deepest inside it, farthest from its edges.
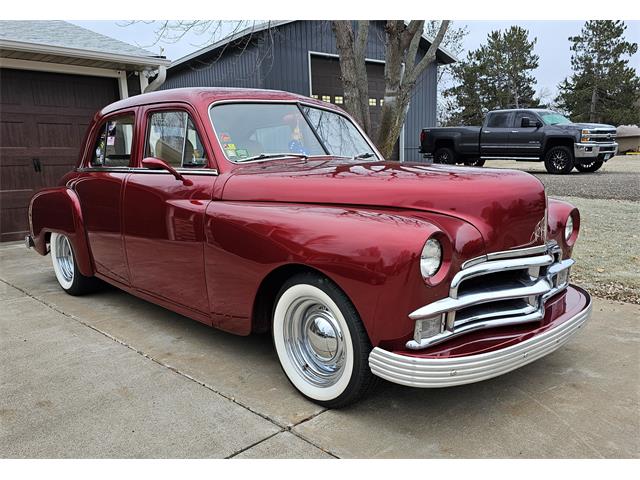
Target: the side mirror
(538, 124)
(153, 163)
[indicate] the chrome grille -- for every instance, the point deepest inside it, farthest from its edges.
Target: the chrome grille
(502, 288)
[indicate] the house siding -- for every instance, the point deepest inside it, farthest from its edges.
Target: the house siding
(279, 59)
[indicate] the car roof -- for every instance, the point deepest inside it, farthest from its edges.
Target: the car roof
(208, 95)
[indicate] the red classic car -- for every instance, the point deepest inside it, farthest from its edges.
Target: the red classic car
(255, 210)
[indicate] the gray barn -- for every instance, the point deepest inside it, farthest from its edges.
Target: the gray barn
(301, 57)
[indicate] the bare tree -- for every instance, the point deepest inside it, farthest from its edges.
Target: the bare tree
(403, 66)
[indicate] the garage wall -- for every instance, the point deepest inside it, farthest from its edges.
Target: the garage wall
(43, 118)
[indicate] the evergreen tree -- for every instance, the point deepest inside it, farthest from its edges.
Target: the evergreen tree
(603, 87)
(496, 75)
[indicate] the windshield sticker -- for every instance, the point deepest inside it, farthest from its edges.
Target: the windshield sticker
(225, 137)
(230, 146)
(242, 153)
(231, 152)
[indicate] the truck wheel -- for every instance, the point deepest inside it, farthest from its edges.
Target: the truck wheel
(558, 160)
(589, 167)
(444, 155)
(477, 162)
(321, 343)
(66, 267)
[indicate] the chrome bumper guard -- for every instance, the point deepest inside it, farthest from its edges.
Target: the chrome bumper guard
(493, 302)
(448, 372)
(594, 149)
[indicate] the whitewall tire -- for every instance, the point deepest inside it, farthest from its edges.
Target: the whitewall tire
(320, 341)
(66, 267)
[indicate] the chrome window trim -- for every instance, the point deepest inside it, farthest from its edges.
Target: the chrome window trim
(188, 171)
(287, 102)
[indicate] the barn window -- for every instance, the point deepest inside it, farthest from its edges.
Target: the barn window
(338, 100)
(326, 98)
(373, 102)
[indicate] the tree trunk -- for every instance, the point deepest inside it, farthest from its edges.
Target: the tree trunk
(592, 108)
(353, 70)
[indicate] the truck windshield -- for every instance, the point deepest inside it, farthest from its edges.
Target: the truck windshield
(257, 131)
(553, 118)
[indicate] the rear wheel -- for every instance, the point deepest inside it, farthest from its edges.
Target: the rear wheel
(558, 160)
(66, 267)
(321, 343)
(476, 162)
(444, 155)
(589, 167)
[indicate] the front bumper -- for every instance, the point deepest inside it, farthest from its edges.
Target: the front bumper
(595, 150)
(507, 351)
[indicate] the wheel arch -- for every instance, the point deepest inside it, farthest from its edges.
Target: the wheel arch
(58, 210)
(558, 142)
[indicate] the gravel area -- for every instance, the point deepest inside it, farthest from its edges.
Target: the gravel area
(618, 179)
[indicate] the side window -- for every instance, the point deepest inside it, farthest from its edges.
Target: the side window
(498, 120)
(517, 123)
(172, 137)
(113, 143)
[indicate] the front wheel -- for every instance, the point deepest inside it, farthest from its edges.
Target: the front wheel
(559, 160)
(321, 343)
(66, 267)
(589, 167)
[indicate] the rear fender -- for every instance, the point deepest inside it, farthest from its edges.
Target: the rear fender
(58, 210)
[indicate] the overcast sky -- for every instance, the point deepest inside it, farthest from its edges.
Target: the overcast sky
(552, 42)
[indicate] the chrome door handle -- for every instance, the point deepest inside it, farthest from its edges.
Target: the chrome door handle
(514, 131)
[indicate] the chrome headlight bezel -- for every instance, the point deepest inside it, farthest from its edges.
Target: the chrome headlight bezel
(569, 228)
(431, 258)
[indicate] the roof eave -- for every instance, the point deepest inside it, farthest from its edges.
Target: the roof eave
(142, 61)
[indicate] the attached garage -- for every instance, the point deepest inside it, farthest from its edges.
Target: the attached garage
(54, 76)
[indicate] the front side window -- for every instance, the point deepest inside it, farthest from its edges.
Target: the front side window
(517, 123)
(113, 143)
(338, 133)
(250, 130)
(172, 137)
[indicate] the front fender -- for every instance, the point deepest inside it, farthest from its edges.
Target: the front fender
(558, 213)
(371, 254)
(58, 210)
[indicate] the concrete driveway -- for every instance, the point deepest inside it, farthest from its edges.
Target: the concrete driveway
(109, 375)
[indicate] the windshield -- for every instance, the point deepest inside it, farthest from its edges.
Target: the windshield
(553, 118)
(251, 131)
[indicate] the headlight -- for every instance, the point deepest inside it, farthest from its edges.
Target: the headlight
(568, 228)
(431, 258)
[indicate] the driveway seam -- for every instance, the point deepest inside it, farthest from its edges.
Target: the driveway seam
(282, 428)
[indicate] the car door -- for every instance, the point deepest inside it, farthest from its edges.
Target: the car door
(164, 216)
(494, 136)
(99, 186)
(526, 141)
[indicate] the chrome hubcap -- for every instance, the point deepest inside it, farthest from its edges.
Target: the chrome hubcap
(314, 342)
(64, 258)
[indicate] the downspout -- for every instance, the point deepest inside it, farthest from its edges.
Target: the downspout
(159, 80)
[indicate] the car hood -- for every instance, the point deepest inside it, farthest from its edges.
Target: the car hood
(588, 126)
(506, 206)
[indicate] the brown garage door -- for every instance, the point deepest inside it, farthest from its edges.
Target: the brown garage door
(43, 117)
(326, 85)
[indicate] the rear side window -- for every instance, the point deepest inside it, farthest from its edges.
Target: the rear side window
(113, 143)
(172, 137)
(498, 120)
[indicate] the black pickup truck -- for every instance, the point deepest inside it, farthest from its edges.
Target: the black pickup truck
(524, 134)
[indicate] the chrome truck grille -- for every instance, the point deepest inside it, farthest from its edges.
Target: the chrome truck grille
(498, 289)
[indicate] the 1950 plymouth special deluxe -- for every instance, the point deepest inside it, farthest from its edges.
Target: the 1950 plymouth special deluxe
(255, 210)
